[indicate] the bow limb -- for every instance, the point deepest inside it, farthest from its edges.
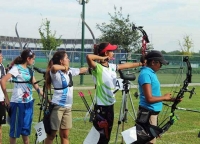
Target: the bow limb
(20, 43)
(93, 37)
(145, 38)
(94, 42)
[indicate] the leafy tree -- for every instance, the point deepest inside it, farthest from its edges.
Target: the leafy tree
(163, 52)
(176, 52)
(48, 39)
(186, 45)
(119, 31)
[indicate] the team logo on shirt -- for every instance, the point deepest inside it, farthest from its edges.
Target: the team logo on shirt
(25, 95)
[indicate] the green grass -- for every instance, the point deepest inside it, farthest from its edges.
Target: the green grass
(184, 131)
(88, 81)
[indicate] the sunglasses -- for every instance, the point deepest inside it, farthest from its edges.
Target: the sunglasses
(30, 53)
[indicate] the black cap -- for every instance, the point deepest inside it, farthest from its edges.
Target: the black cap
(157, 56)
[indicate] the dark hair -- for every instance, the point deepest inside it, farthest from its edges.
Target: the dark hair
(96, 46)
(100, 47)
(143, 58)
(59, 55)
(27, 53)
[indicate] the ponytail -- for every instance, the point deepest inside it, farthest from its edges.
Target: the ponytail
(18, 60)
(142, 59)
(47, 75)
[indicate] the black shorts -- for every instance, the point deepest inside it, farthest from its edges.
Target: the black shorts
(2, 113)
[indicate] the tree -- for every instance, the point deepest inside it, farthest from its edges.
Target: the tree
(48, 40)
(163, 52)
(186, 45)
(120, 32)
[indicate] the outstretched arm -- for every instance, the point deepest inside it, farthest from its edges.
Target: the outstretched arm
(129, 65)
(83, 70)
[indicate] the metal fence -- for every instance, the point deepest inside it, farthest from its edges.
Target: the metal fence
(75, 57)
(166, 75)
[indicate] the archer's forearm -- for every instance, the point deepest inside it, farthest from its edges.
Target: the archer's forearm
(129, 65)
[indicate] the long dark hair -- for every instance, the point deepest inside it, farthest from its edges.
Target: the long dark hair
(59, 55)
(98, 48)
(27, 53)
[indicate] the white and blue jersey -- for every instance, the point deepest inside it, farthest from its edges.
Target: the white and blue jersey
(148, 76)
(63, 97)
(22, 92)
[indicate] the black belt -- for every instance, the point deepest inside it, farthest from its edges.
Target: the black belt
(151, 111)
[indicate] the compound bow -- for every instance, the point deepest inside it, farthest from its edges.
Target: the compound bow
(145, 38)
(172, 117)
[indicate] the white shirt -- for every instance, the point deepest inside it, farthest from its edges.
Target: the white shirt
(63, 97)
(22, 92)
(105, 83)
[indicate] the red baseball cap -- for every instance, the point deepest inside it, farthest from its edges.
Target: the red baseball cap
(109, 47)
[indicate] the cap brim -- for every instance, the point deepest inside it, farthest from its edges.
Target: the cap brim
(164, 62)
(109, 47)
(161, 60)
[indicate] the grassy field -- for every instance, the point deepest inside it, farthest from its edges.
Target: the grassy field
(184, 131)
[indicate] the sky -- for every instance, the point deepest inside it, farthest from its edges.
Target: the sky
(166, 22)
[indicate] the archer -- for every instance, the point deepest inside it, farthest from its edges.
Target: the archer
(150, 96)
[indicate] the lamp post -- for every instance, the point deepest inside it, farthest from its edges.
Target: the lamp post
(82, 2)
